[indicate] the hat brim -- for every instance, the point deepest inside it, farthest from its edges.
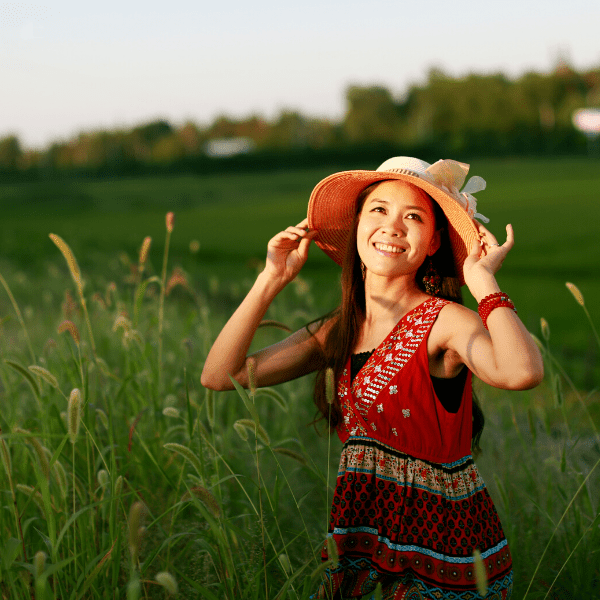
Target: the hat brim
(333, 202)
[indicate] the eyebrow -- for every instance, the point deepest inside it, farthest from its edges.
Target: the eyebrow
(411, 207)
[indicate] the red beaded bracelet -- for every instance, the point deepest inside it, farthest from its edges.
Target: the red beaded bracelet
(489, 303)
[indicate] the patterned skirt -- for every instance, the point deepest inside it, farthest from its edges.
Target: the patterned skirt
(413, 526)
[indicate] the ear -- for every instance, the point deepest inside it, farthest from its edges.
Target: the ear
(436, 242)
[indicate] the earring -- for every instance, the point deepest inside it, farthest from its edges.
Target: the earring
(363, 269)
(432, 280)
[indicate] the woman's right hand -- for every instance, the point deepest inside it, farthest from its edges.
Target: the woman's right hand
(287, 252)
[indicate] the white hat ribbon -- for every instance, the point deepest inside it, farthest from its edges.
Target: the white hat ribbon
(450, 176)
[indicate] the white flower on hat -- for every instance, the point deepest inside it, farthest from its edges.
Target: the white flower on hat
(449, 175)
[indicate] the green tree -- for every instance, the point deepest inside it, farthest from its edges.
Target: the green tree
(371, 116)
(10, 153)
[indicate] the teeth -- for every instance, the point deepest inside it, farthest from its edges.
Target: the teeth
(388, 248)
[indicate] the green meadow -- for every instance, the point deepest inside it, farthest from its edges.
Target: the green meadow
(141, 484)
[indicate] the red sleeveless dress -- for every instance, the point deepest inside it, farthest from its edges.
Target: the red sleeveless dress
(410, 506)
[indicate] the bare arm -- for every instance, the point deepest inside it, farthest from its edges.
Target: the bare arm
(294, 356)
(505, 355)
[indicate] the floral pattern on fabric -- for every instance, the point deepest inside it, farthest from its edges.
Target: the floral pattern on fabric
(385, 362)
(410, 506)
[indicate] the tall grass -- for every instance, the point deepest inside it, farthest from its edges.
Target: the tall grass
(122, 477)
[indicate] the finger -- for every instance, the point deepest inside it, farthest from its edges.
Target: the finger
(510, 237)
(303, 224)
(304, 246)
(299, 231)
(285, 237)
(475, 249)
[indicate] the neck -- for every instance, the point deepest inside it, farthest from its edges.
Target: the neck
(390, 298)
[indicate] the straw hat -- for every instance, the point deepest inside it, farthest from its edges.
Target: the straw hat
(332, 203)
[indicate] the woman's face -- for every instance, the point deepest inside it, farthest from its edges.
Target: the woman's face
(396, 229)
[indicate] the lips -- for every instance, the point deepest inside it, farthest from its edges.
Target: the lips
(388, 248)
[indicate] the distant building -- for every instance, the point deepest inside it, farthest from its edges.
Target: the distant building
(224, 147)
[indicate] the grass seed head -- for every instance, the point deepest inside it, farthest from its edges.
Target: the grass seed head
(576, 293)
(329, 385)
(71, 328)
(205, 497)
(284, 561)
(144, 250)
(332, 551)
(121, 322)
(103, 477)
(69, 306)
(34, 495)
(73, 414)
(258, 430)
(71, 261)
(480, 573)
(170, 221)
(39, 564)
(274, 323)
(118, 486)
(111, 290)
(171, 411)
(44, 374)
(194, 246)
(251, 366)
(241, 431)
(6, 458)
(291, 454)
(187, 454)
(42, 454)
(178, 277)
(99, 300)
(545, 329)
(168, 582)
(103, 418)
(136, 530)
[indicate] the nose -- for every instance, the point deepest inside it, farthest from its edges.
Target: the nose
(394, 227)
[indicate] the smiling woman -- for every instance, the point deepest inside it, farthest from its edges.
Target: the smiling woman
(396, 230)
(410, 510)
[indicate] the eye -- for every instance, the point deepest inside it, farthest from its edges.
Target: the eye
(415, 216)
(378, 209)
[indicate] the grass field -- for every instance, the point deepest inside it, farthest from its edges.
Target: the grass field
(155, 474)
(553, 205)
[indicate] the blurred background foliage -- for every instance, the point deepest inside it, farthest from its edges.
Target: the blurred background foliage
(476, 115)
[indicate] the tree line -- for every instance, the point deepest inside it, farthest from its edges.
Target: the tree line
(480, 114)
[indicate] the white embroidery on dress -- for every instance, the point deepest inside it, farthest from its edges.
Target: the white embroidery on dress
(378, 369)
(393, 389)
(373, 426)
(346, 419)
(406, 412)
(380, 408)
(394, 431)
(388, 357)
(367, 380)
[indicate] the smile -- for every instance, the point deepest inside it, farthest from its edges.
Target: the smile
(389, 249)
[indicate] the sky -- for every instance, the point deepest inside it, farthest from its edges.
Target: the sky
(71, 66)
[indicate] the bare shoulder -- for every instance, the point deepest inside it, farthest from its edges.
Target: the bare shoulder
(454, 320)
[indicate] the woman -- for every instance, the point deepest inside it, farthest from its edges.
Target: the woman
(409, 508)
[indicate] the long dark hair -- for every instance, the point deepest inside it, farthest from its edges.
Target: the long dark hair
(348, 318)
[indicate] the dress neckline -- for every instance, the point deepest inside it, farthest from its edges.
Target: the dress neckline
(402, 318)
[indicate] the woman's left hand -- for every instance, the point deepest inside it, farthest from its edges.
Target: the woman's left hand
(484, 261)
